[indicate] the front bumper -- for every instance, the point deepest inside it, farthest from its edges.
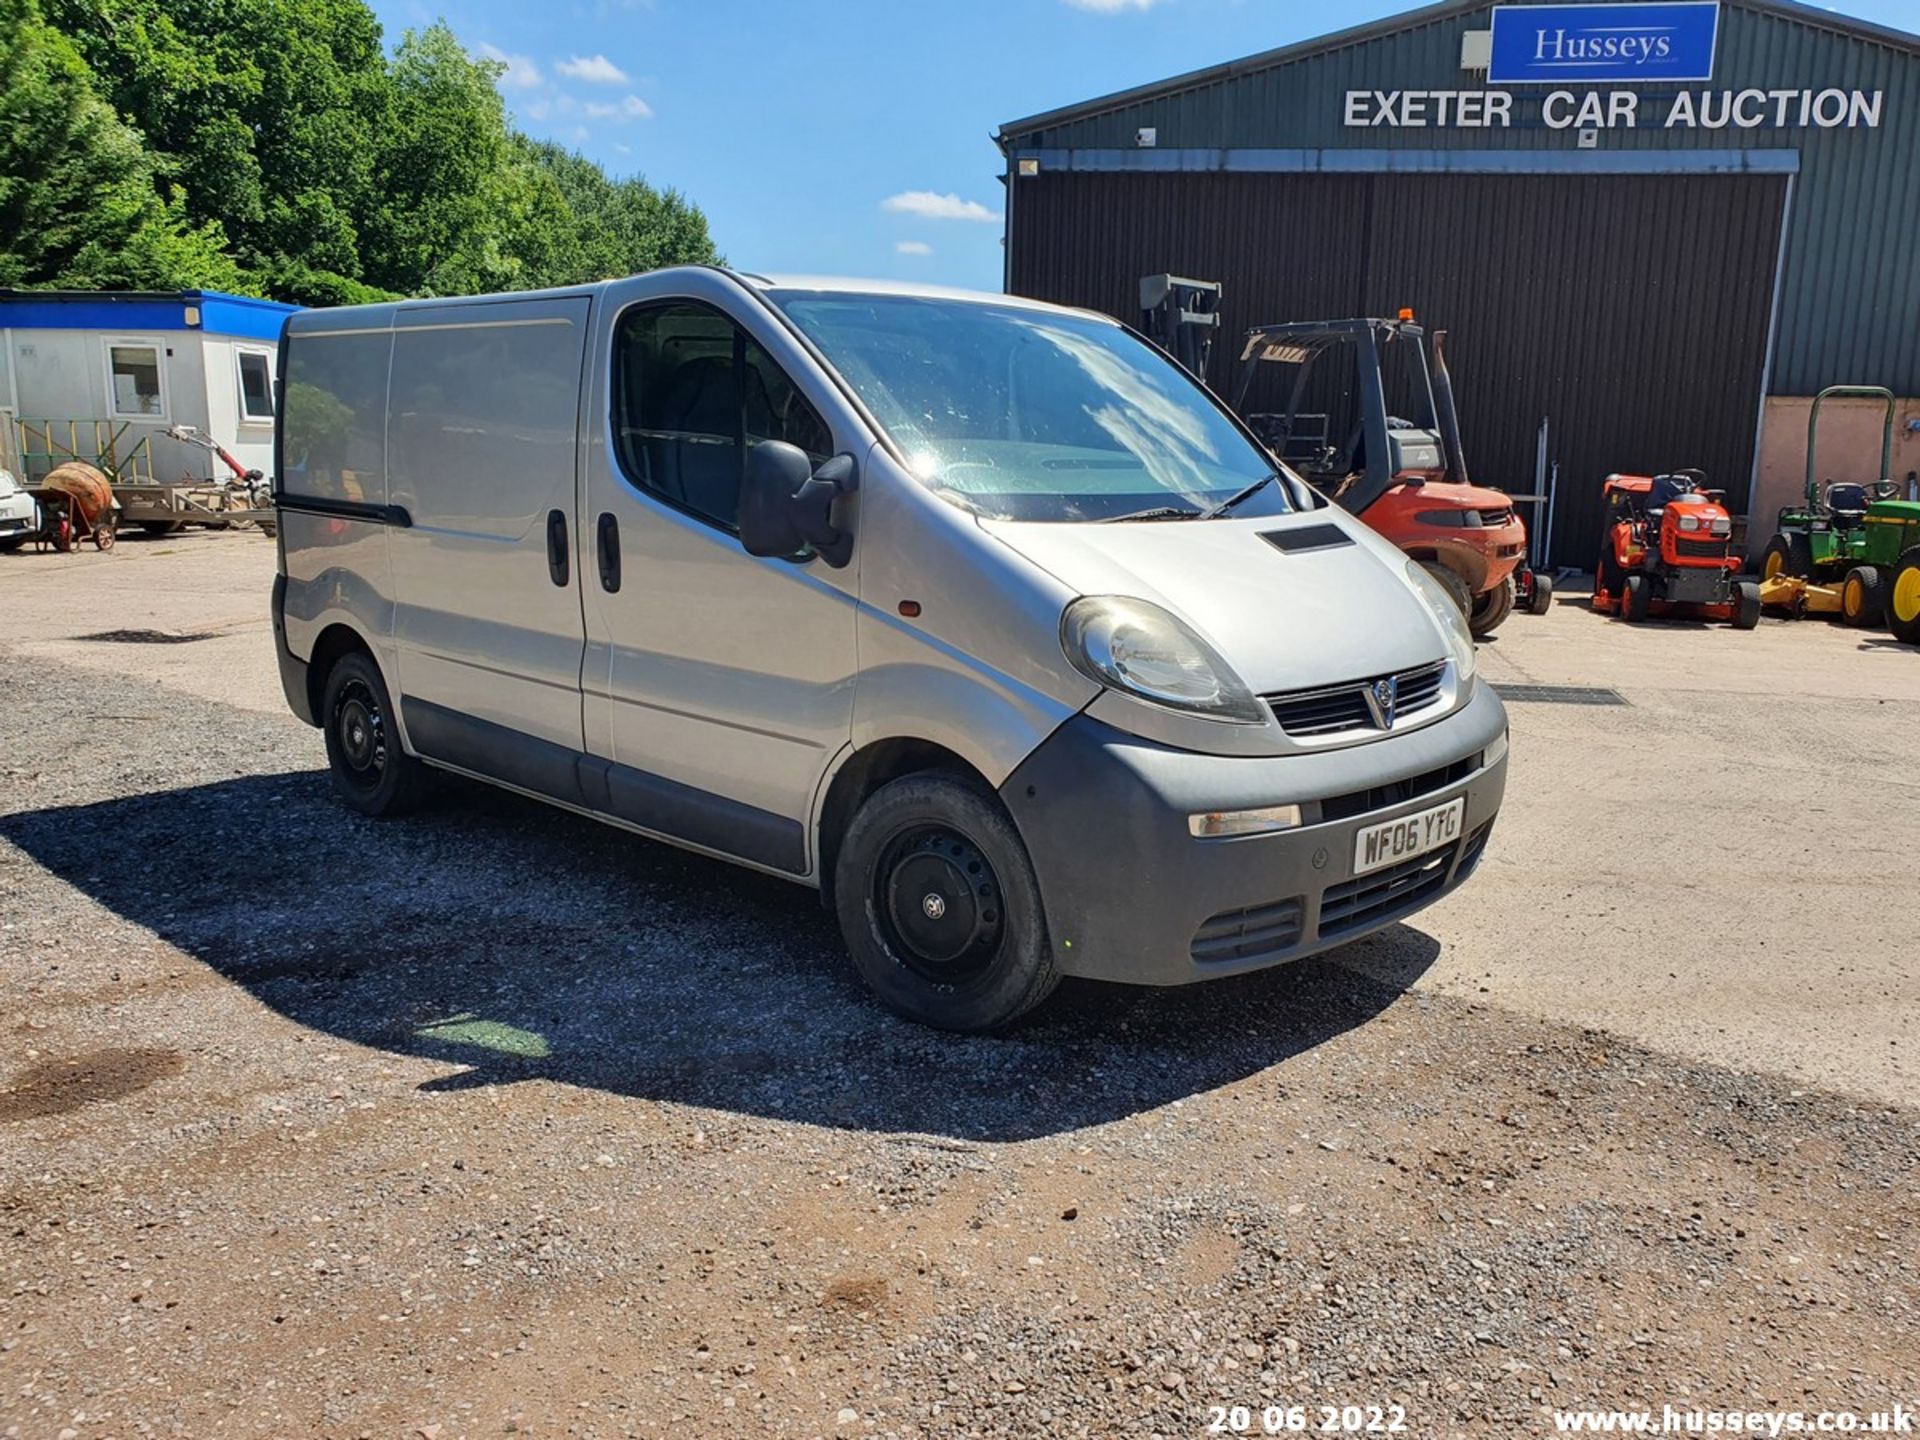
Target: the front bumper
(1132, 896)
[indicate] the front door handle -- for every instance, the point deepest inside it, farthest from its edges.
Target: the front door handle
(609, 538)
(557, 547)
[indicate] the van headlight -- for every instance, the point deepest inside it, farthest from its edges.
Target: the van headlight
(1132, 645)
(1452, 623)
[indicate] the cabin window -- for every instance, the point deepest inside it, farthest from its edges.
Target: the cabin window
(256, 386)
(133, 379)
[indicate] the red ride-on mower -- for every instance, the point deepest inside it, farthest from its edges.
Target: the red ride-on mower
(1667, 551)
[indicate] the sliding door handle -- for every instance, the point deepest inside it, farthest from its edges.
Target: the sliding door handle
(609, 538)
(557, 547)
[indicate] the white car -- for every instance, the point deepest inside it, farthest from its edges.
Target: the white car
(19, 513)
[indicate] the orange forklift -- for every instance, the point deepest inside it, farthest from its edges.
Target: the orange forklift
(1667, 551)
(1406, 477)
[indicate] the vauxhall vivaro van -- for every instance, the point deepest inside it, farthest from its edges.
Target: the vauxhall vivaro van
(977, 614)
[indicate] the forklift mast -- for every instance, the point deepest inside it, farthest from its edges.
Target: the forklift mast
(1181, 316)
(1387, 444)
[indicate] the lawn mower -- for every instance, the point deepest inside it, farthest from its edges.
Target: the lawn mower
(1668, 551)
(1844, 551)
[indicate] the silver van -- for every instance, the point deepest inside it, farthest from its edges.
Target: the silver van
(976, 614)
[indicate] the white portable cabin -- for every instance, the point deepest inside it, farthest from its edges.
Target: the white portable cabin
(78, 366)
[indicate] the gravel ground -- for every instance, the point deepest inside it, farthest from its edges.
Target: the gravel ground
(495, 1121)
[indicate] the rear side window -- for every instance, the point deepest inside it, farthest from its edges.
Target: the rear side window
(693, 393)
(334, 441)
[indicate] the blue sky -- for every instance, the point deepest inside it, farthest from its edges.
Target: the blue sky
(851, 136)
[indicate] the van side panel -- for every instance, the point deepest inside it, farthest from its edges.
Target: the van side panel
(481, 441)
(332, 487)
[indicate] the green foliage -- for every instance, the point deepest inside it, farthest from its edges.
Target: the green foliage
(83, 203)
(272, 146)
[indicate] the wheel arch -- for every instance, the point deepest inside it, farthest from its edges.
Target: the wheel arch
(336, 640)
(863, 772)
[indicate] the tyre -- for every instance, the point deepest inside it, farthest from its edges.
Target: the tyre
(1541, 601)
(1863, 596)
(1451, 583)
(12, 543)
(1638, 603)
(161, 528)
(940, 907)
(60, 533)
(372, 773)
(1903, 598)
(1490, 607)
(1746, 605)
(105, 533)
(1788, 553)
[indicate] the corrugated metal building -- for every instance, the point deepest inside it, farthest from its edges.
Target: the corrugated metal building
(1664, 270)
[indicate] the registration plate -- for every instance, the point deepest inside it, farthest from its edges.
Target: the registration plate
(1392, 841)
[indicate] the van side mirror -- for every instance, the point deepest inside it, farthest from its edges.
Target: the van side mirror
(787, 505)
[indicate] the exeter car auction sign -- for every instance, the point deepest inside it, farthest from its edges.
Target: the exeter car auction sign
(1584, 44)
(1613, 45)
(1614, 110)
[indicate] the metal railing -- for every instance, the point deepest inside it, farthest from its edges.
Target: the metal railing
(44, 444)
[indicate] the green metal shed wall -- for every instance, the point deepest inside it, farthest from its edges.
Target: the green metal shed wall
(1850, 286)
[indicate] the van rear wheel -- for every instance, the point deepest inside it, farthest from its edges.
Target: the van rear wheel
(940, 907)
(372, 773)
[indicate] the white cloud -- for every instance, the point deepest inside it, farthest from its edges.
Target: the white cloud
(594, 70)
(521, 73)
(1111, 7)
(631, 108)
(912, 247)
(930, 206)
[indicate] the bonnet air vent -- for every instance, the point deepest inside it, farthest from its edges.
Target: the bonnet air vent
(1307, 537)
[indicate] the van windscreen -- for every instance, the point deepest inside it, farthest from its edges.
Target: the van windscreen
(1027, 414)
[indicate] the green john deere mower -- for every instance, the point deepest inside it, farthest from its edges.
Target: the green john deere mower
(1852, 550)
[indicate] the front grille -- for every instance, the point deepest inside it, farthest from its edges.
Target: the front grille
(1358, 903)
(1339, 709)
(1259, 930)
(1396, 792)
(1494, 519)
(1700, 549)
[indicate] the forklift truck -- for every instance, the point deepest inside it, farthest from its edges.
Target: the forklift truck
(1406, 477)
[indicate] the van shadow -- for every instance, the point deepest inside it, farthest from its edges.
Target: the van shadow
(520, 942)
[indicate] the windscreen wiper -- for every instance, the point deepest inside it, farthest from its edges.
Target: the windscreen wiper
(1213, 512)
(1158, 512)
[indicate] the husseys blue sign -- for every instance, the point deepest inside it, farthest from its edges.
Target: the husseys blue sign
(1575, 44)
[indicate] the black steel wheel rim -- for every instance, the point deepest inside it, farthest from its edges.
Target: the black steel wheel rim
(361, 733)
(939, 904)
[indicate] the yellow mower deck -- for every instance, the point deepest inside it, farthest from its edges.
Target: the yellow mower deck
(1799, 595)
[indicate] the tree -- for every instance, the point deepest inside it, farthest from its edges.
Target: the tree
(272, 146)
(83, 203)
(267, 112)
(619, 227)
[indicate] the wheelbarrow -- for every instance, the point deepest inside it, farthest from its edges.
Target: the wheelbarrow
(76, 504)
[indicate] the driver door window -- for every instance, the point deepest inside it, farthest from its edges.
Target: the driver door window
(692, 393)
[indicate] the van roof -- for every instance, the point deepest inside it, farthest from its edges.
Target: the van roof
(850, 285)
(336, 317)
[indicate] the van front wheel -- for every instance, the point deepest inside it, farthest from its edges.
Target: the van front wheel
(940, 907)
(372, 773)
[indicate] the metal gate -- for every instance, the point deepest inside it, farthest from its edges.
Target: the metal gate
(1630, 310)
